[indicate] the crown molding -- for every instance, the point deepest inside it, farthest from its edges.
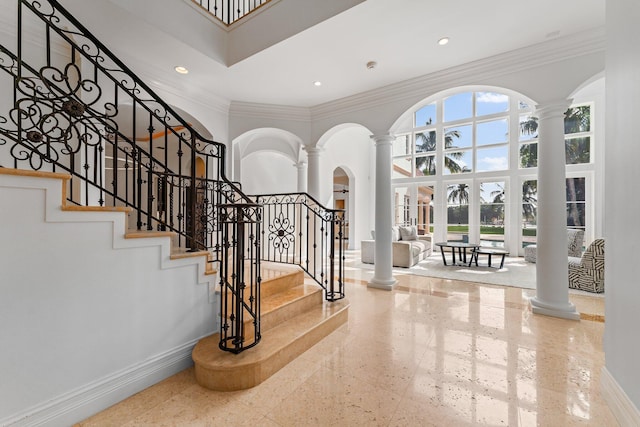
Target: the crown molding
(557, 50)
(269, 111)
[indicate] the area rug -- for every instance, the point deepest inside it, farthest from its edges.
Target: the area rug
(516, 272)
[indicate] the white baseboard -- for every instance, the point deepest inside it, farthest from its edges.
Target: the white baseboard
(622, 407)
(79, 404)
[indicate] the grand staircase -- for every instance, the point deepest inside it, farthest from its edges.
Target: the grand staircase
(294, 314)
(277, 259)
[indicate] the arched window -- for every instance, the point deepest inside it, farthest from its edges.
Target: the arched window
(476, 151)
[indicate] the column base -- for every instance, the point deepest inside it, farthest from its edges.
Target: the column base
(564, 311)
(386, 285)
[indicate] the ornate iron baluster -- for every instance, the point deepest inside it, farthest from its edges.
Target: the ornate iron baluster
(240, 298)
(298, 219)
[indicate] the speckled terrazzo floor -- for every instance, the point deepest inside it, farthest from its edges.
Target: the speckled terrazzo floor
(432, 352)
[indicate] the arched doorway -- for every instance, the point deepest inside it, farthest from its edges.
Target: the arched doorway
(341, 197)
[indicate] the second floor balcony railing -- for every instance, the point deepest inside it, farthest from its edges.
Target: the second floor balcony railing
(230, 11)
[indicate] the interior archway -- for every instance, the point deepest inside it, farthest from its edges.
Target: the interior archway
(341, 198)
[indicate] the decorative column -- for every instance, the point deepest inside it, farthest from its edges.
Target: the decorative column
(302, 176)
(313, 183)
(383, 256)
(552, 283)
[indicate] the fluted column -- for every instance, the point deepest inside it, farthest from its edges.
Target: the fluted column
(313, 172)
(383, 273)
(552, 283)
(302, 176)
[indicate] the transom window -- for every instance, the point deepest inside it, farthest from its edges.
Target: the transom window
(470, 129)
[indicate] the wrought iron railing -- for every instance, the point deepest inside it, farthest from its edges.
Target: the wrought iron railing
(240, 227)
(75, 107)
(297, 229)
(229, 11)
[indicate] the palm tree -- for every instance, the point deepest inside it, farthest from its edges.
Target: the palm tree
(576, 119)
(577, 150)
(427, 143)
(529, 199)
(497, 195)
(493, 208)
(530, 127)
(459, 193)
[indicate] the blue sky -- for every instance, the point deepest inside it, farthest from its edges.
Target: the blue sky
(460, 107)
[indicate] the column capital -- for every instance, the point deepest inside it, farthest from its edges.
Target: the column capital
(313, 150)
(385, 138)
(300, 164)
(553, 108)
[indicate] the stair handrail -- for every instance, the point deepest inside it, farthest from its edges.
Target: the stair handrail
(307, 236)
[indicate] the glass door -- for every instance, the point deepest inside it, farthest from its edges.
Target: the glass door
(413, 205)
(458, 198)
(493, 199)
(529, 224)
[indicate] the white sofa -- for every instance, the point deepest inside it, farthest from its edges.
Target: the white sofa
(407, 247)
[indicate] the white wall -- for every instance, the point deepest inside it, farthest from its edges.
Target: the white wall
(266, 172)
(622, 204)
(279, 21)
(84, 325)
(352, 149)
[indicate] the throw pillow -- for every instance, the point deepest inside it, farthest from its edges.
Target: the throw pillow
(395, 234)
(409, 233)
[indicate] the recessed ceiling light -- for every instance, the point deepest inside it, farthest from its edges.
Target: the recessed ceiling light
(181, 70)
(371, 65)
(317, 83)
(443, 41)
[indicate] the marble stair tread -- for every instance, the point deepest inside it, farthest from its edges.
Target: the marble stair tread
(276, 279)
(282, 306)
(224, 371)
(289, 296)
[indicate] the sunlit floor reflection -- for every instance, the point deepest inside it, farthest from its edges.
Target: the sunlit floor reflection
(432, 352)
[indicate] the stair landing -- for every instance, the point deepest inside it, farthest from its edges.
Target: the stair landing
(294, 318)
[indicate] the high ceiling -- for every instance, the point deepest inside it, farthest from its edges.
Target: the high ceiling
(400, 35)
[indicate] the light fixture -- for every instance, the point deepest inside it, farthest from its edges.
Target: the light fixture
(182, 70)
(317, 83)
(443, 41)
(371, 65)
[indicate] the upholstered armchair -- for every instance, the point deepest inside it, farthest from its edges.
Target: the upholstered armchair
(586, 273)
(575, 238)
